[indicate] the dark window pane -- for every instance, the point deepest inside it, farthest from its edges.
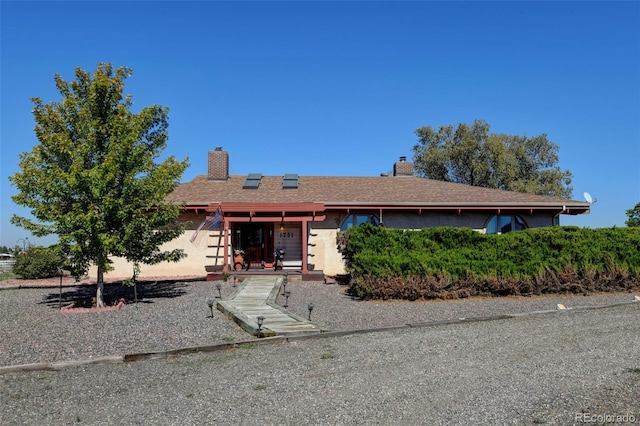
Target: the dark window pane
(505, 224)
(348, 223)
(492, 226)
(359, 219)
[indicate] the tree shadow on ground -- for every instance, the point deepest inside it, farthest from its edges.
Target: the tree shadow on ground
(143, 292)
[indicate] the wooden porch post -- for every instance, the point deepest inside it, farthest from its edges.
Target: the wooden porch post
(305, 245)
(225, 226)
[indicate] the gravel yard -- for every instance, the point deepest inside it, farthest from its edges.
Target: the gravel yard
(534, 369)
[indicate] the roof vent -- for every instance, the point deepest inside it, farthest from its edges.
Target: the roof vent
(252, 181)
(290, 181)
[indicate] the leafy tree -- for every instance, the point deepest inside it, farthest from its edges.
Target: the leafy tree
(93, 179)
(633, 216)
(470, 154)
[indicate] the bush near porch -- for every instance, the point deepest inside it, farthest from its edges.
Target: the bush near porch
(445, 263)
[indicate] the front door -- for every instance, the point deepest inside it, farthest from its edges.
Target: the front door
(256, 239)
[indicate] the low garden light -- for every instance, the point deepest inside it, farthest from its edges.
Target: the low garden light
(210, 303)
(260, 319)
(219, 287)
(310, 306)
(286, 298)
(234, 280)
(285, 281)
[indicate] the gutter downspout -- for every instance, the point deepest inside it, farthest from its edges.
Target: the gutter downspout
(556, 219)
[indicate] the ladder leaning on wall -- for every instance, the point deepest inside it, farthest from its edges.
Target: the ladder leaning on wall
(217, 258)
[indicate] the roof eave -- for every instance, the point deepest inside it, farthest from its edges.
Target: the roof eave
(573, 208)
(570, 207)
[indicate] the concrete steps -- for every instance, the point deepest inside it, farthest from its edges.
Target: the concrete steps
(256, 297)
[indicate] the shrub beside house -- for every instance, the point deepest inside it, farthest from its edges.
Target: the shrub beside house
(258, 214)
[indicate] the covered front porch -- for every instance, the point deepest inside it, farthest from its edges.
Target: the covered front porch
(250, 234)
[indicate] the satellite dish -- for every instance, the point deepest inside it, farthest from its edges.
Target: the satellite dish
(588, 198)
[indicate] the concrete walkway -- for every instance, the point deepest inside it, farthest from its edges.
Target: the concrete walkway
(256, 296)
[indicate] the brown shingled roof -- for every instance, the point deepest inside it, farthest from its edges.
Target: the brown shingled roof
(345, 191)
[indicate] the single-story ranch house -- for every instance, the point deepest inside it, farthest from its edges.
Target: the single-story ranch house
(303, 214)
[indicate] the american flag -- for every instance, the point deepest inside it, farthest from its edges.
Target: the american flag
(214, 221)
(217, 219)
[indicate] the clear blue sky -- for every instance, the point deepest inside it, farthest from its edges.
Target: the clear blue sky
(338, 88)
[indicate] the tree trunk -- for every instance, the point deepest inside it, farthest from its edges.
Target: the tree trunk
(100, 288)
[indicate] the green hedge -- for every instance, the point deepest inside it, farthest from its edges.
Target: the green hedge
(378, 255)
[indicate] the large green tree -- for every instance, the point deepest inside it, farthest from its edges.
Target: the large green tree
(470, 154)
(93, 178)
(633, 216)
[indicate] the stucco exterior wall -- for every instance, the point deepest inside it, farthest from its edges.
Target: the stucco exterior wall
(323, 253)
(193, 265)
(208, 247)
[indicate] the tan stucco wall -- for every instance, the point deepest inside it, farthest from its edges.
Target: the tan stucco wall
(193, 265)
(208, 247)
(323, 251)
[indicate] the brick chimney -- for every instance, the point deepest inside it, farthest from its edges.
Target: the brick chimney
(218, 164)
(403, 167)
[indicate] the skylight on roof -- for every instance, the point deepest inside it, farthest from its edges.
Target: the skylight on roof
(252, 181)
(290, 180)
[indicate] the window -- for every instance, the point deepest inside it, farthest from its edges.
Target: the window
(501, 224)
(359, 219)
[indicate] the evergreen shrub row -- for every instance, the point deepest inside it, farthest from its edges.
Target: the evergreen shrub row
(387, 263)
